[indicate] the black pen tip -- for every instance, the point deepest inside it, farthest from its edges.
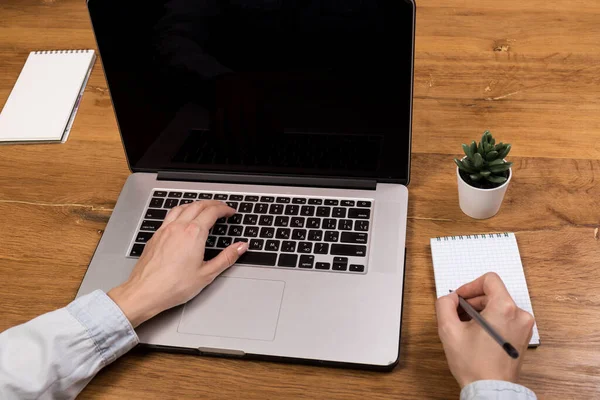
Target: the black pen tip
(511, 350)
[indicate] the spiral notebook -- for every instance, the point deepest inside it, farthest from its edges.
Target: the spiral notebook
(42, 105)
(461, 259)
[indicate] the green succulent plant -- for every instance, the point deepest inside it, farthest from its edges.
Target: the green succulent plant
(484, 162)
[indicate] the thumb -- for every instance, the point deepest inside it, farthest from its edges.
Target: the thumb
(226, 258)
(446, 308)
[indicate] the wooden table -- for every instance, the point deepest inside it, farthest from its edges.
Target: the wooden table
(527, 70)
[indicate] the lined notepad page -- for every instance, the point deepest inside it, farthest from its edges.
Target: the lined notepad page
(42, 104)
(460, 259)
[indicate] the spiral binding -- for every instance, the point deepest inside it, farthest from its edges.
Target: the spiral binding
(61, 51)
(478, 236)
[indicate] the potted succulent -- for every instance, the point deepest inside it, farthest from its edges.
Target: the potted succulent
(483, 176)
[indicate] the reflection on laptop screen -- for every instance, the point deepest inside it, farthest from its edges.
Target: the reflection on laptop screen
(267, 86)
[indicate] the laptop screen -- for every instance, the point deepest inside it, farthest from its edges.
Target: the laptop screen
(284, 87)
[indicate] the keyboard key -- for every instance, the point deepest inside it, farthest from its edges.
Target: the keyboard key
(267, 233)
(205, 196)
(276, 209)
(251, 198)
(267, 199)
(175, 194)
(363, 203)
(314, 223)
(256, 244)
(258, 258)
(221, 220)
(322, 265)
(299, 234)
(250, 219)
(152, 213)
(287, 260)
(298, 200)
(321, 248)
(304, 247)
(211, 241)
(251, 231)
(345, 225)
(170, 203)
(189, 195)
(235, 230)
(261, 208)
(156, 202)
(360, 213)
(339, 212)
(361, 225)
(288, 247)
(330, 202)
(240, 240)
(265, 220)
(354, 237)
(143, 237)
(236, 197)
(137, 250)
(283, 200)
(246, 207)
(329, 223)
(348, 203)
(306, 261)
(150, 225)
(343, 260)
(185, 201)
(332, 236)
(315, 201)
(292, 209)
(221, 196)
(235, 219)
(233, 204)
(339, 267)
(315, 235)
(224, 241)
(282, 221)
(307, 211)
(323, 211)
(283, 233)
(354, 250)
(272, 245)
(357, 268)
(220, 230)
(159, 193)
(297, 222)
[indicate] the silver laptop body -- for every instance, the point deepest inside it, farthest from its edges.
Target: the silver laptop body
(341, 306)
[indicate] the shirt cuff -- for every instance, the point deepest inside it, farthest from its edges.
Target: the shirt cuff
(105, 324)
(489, 389)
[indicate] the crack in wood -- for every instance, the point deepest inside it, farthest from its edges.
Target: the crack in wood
(42, 204)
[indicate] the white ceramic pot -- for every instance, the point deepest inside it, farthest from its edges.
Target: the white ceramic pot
(480, 203)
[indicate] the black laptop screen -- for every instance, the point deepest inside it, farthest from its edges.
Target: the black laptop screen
(286, 87)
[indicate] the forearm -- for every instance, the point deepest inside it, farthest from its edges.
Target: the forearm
(496, 390)
(58, 353)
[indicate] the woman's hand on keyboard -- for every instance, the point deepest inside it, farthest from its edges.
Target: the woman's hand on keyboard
(172, 270)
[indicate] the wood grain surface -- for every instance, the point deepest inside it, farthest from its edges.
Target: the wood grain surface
(527, 70)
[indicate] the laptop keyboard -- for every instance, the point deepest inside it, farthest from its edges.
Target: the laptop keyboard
(311, 233)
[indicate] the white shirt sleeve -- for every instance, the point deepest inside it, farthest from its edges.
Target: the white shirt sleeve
(56, 354)
(496, 390)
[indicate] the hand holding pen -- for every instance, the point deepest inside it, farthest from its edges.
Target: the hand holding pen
(472, 350)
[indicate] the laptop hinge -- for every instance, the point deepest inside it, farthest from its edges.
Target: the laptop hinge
(278, 180)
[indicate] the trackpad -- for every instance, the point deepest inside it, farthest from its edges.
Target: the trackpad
(234, 308)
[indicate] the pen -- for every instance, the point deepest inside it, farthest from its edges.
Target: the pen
(510, 350)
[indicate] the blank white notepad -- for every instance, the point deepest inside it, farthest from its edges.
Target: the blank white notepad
(43, 103)
(460, 259)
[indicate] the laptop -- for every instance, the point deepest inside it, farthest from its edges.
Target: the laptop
(296, 114)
